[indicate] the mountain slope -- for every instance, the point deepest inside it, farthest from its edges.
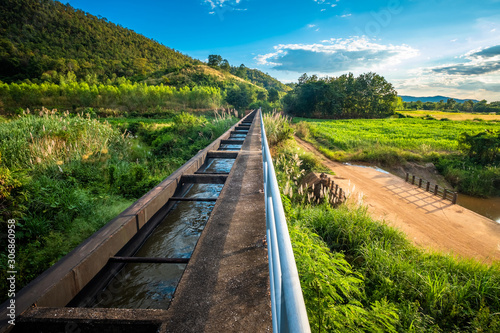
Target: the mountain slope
(45, 39)
(42, 36)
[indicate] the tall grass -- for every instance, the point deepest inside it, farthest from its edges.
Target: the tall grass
(63, 177)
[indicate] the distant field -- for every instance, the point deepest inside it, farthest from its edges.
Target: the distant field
(451, 115)
(388, 140)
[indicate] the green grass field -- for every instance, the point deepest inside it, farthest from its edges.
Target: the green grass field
(421, 137)
(395, 141)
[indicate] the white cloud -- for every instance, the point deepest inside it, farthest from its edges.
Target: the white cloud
(335, 55)
(345, 15)
(477, 62)
(477, 76)
(311, 25)
(216, 5)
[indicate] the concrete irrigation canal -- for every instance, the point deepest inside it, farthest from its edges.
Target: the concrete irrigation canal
(189, 256)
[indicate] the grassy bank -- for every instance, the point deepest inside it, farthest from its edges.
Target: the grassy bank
(393, 142)
(62, 177)
(359, 275)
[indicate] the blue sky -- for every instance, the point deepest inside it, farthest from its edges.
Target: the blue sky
(423, 47)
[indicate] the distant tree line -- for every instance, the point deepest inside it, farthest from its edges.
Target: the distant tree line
(452, 105)
(367, 96)
(127, 95)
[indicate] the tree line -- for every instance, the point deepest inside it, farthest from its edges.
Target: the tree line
(125, 95)
(367, 96)
(451, 105)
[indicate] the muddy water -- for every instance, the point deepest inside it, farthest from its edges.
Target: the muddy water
(486, 207)
(151, 286)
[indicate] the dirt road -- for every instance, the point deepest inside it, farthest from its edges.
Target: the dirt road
(429, 221)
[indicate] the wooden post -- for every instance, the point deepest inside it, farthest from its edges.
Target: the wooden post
(428, 186)
(445, 192)
(413, 180)
(455, 197)
(336, 188)
(340, 194)
(407, 177)
(436, 189)
(420, 183)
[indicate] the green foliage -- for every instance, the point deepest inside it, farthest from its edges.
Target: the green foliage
(367, 96)
(482, 148)
(241, 96)
(443, 293)
(126, 95)
(469, 177)
(273, 95)
(264, 80)
(333, 292)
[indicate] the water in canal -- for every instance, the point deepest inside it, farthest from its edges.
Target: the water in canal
(152, 285)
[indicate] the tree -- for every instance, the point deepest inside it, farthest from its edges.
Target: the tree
(240, 96)
(440, 105)
(214, 60)
(450, 104)
(274, 95)
(262, 95)
(369, 95)
(468, 106)
(483, 147)
(399, 104)
(225, 65)
(242, 72)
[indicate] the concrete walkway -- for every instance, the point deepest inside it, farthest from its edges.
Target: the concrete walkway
(225, 287)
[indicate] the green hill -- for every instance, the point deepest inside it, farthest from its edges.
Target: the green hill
(42, 37)
(44, 40)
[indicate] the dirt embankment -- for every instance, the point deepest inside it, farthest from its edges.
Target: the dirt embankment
(429, 221)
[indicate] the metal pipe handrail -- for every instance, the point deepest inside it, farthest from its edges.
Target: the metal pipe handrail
(287, 302)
